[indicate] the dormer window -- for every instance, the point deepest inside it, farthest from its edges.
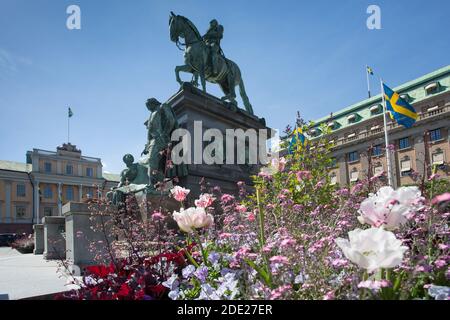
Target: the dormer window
(432, 88)
(405, 97)
(375, 109)
(352, 118)
(314, 132)
(332, 125)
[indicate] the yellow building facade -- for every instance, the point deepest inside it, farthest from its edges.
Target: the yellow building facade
(41, 186)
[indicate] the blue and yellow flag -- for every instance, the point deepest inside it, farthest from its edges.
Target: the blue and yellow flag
(298, 139)
(399, 109)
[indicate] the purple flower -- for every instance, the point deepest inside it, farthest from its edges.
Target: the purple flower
(201, 273)
(188, 271)
(214, 257)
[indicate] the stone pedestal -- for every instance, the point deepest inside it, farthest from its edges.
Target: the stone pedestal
(191, 104)
(80, 237)
(149, 203)
(38, 238)
(54, 241)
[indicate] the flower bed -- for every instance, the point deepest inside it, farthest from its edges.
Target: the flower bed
(297, 237)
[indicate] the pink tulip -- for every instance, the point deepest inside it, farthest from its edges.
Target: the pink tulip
(441, 198)
(179, 193)
(204, 201)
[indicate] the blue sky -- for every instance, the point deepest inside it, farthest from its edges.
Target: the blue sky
(294, 55)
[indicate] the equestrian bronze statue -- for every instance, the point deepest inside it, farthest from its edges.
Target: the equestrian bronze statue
(204, 58)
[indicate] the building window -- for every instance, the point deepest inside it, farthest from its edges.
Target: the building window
(438, 158)
(375, 109)
(405, 167)
(352, 118)
(435, 135)
(21, 212)
(404, 143)
(48, 167)
(314, 132)
(377, 150)
(432, 88)
(353, 156)
(354, 176)
(89, 172)
(333, 179)
(333, 162)
(48, 211)
(48, 193)
(333, 125)
(406, 97)
(69, 193)
(21, 192)
(378, 169)
(69, 169)
(89, 192)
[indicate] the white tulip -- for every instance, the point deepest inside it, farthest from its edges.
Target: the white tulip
(390, 208)
(372, 248)
(193, 218)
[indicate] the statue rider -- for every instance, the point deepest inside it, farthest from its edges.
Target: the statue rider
(212, 40)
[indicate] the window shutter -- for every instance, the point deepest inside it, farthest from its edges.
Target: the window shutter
(405, 165)
(354, 176)
(438, 158)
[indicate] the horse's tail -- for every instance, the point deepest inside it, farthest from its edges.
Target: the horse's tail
(244, 96)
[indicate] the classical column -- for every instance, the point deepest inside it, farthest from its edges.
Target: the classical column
(364, 160)
(99, 172)
(36, 202)
(80, 193)
(8, 218)
(343, 174)
(59, 199)
(419, 146)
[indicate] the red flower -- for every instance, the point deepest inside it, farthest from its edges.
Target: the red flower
(124, 290)
(157, 290)
(100, 270)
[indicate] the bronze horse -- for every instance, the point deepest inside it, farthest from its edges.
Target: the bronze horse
(196, 53)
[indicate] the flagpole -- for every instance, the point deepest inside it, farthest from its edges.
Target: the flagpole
(386, 138)
(68, 129)
(367, 77)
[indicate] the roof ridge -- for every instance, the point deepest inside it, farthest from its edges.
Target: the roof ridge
(368, 101)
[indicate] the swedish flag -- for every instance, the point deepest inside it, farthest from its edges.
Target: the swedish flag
(399, 109)
(369, 70)
(298, 139)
